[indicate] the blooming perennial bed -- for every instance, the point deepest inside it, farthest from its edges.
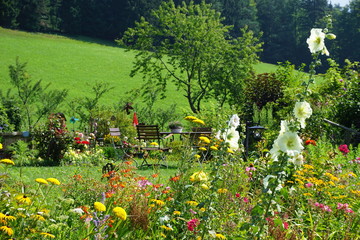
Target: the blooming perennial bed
(297, 190)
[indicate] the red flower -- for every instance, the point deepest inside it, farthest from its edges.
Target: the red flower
(85, 142)
(76, 138)
(344, 149)
(192, 224)
(312, 142)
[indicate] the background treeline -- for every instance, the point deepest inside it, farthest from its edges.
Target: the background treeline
(284, 24)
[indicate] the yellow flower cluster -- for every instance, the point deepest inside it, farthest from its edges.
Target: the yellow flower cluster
(199, 177)
(194, 120)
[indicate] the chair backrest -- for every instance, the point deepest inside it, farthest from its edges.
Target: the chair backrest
(114, 132)
(148, 133)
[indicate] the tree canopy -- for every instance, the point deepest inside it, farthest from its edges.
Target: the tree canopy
(189, 45)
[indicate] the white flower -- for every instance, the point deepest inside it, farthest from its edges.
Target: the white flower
(283, 127)
(78, 211)
(232, 137)
(302, 111)
(289, 143)
(297, 160)
(234, 121)
(316, 40)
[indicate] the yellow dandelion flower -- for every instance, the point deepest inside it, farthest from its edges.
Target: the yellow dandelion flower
(120, 212)
(204, 186)
(176, 213)
(99, 207)
(47, 235)
(202, 149)
(41, 180)
(202, 209)
(214, 148)
(198, 121)
(7, 230)
(23, 199)
(192, 203)
(230, 151)
(53, 181)
(204, 139)
(7, 161)
(154, 144)
(166, 228)
(162, 235)
(197, 156)
(220, 236)
(1, 147)
(190, 118)
(308, 194)
(222, 190)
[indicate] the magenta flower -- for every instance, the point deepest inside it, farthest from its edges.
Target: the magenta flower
(192, 224)
(344, 149)
(309, 185)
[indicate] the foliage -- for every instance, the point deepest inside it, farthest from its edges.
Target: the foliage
(24, 155)
(31, 97)
(175, 124)
(53, 140)
(188, 45)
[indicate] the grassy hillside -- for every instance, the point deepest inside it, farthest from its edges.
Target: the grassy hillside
(76, 64)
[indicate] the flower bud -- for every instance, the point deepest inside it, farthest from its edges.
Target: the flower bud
(330, 36)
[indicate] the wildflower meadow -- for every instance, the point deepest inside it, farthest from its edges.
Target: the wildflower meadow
(288, 184)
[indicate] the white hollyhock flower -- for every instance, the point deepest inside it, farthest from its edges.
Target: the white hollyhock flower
(302, 111)
(283, 127)
(234, 121)
(316, 40)
(290, 143)
(232, 137)
(297, 160)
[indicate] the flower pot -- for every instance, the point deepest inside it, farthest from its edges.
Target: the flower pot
(176, 130)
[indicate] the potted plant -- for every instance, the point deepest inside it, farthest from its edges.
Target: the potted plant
(175, 127)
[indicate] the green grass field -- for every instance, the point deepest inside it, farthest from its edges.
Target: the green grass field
(76, 64)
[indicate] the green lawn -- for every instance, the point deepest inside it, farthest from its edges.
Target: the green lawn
(76, 64)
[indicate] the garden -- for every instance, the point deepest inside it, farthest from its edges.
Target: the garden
(272, 168)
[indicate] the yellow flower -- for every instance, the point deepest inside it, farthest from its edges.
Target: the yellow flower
(158, 202)
(204, 186)
(38, 217)
(120, 212)
(47, 235)
(7, 230)
(204, 139)
(202, 149)
(166, 228)
(41, 180)
(198, 176)
(229, 150)
(176, 213)
(198, 121)
(23, 199)
(53, 181)
(220, 236)
(197, 156)
(307, 166)
(190, 118)
(99, 207)
(1, 147)
(192, 203)
(214, 148)
(202, 209)
(5, 218)
(154, 144)
(307, 194)
(222, 190)
(7, 162)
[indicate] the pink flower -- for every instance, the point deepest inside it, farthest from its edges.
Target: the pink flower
(285, 225)
(246, 200)
(344, 149)
(237, 195)
(192, 224)
(309, 185)
(192, 211)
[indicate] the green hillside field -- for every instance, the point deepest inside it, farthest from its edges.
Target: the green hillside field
(76, 63)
